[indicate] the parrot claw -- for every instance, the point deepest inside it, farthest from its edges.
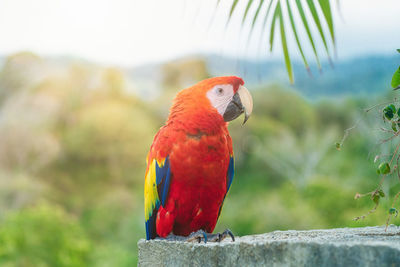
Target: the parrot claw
(200, 236)
(197, 237)
(203, 236)
(225, 234)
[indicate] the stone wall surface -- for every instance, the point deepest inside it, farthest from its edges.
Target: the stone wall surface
(368, 246)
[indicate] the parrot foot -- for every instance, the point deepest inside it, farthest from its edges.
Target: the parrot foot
(203, 236)
(199, 236)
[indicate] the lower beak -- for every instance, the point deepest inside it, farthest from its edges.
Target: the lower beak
(242, 102)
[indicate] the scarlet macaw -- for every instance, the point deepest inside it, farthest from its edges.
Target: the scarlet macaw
(190, 164)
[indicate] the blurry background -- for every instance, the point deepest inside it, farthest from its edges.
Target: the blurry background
(85, 85)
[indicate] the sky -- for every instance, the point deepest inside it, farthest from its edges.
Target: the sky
(133, 32)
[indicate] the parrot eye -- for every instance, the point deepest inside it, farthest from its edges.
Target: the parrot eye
(220, 91)
(220, 96)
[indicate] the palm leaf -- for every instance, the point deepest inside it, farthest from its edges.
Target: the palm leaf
(317, 21)
(246, 11)
(233, 6)
(323, 21)
(326, 10)
(296, 35)
(284, 44)
(307, 28)
(272, 30)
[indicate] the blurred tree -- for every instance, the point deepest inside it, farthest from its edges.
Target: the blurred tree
(43, 236)
(18, 72)
(113, 81)
(100, 130)
(177, 75)
(183, 73)
(19, 190)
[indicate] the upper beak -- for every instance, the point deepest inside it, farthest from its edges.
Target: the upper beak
(242, 102)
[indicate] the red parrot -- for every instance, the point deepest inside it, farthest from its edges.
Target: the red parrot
(190, 164)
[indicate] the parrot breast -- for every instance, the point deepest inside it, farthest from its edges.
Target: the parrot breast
(199, 165)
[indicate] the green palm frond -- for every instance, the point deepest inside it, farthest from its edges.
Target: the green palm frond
(312, 13)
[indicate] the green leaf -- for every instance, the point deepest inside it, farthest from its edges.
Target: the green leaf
(376, 199)
(284, 44)
(393, 211)
(317, 21)
(306, 26)
(233, 6)
(384, 168)
(246, 11)
(396, 78)
(398, 50)
(389, 111)
(326, 10)
(394, 126)
(295, 34)
(381, 193)
(338, 146)
(272, 31)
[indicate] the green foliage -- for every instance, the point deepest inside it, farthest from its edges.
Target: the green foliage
(389, 111)
(394, 126)
(383, 168)
(396, 79)
(43, 236)
(278, 5)
(381, 193)
(337, 145)
(393, 211)
(376, 199)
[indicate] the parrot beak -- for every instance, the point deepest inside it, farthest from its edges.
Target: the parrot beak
(247, 102)
(242, 102)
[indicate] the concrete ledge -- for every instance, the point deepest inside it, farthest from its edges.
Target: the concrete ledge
(368, 246)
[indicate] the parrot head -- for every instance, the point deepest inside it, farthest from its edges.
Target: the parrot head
(225, 97)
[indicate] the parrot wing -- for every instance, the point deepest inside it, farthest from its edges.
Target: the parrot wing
(229, 178)
(156, 188)
(230, 173)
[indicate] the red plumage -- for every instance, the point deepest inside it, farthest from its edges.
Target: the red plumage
(197, 142)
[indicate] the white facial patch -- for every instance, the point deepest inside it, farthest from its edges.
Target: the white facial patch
(220, 96)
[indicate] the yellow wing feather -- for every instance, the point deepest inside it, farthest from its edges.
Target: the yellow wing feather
(151, 198)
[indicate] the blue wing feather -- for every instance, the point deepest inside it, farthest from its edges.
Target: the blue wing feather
(163, 179)
(151, 224)
(229, 178)
(231, 172)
